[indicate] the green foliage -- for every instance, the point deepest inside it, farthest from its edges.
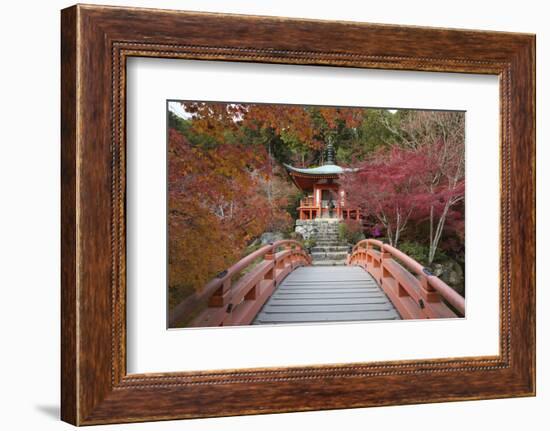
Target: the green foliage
(185, 128)
(419, 252)
(309, 243)
(293, 203)
(452, 270)
(296, 150)
(178, 123)
(415, 250)
(251, 248)
(371, 135)
(350, 231)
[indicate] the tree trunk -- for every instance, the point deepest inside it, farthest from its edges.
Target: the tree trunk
(434, 242)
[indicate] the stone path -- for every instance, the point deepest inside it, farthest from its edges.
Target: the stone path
(327, 294)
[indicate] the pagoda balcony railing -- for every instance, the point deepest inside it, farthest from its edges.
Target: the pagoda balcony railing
(307, 202)
(309, 210)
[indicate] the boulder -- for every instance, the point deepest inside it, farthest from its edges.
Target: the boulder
(314, 229)
(268, 237)
(451, 273)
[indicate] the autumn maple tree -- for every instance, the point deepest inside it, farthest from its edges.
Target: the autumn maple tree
(439, 135)
(215, 207)
(387, 187)
(420, 178)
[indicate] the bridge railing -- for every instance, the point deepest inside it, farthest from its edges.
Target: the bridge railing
(415, 292)
(236, 302)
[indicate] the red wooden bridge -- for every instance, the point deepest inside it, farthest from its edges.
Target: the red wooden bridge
(277, 284)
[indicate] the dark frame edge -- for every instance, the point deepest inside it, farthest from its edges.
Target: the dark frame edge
(69, 411)
(527, 58)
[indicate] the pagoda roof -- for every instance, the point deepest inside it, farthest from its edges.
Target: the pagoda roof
(328, 170)
(305, 178)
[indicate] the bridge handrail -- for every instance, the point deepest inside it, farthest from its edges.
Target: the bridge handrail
(432, 281)
(446, 291)
(223, 279)
(247, 260)
(366, 242)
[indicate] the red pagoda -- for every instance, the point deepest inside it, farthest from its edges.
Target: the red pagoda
(325, 198)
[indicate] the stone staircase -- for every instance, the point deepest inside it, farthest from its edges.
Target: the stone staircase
(328, 249)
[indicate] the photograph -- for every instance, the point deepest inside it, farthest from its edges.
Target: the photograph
(283, 214)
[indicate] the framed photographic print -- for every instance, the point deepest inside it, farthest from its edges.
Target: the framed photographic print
(266, 215)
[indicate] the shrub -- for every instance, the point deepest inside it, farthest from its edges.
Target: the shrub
(309, 243)
(419, 252)
(297, 236)
(414, 250)
(350, 231)
(251, 248)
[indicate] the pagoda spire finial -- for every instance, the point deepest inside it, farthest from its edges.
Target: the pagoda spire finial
(330, 152)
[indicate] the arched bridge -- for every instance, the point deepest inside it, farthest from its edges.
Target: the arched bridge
(280, 285)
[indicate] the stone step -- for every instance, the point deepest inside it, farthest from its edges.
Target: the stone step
(329, 263)
(329, 244)
(327, 233)
(325, 248)
(329, 256)
(341, 248)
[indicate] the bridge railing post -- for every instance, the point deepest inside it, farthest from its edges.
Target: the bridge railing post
(429, 294)
(270, 256)
(220, 297)
(385, 257)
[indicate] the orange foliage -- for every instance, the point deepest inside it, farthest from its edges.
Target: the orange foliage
(216, 206)
(351, 117)
(215, 119)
